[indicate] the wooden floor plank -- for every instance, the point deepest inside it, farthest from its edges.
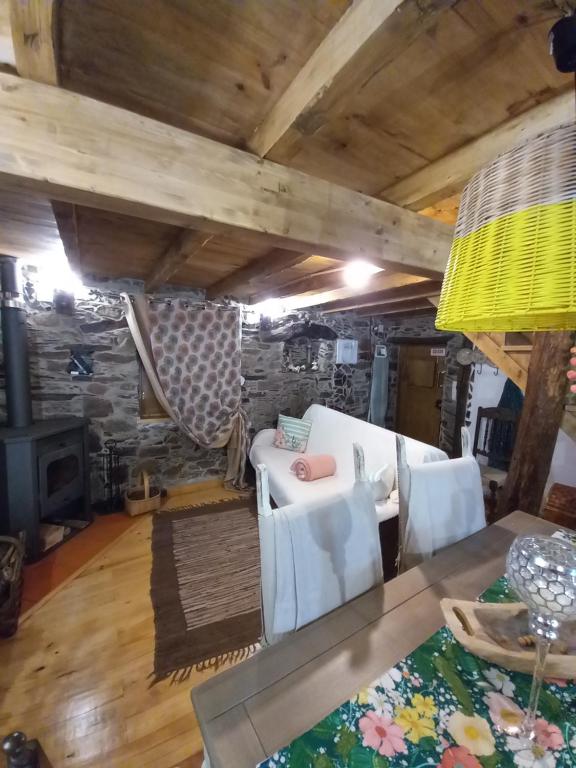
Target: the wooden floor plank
(77, 674)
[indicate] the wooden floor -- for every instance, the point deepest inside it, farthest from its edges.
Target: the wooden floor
(76, 675)
(58, 566)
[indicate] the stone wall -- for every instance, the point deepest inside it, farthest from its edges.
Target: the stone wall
(270, 389)
(110, 398)
(421, 326)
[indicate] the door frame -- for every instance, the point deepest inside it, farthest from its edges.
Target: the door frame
(422, 341)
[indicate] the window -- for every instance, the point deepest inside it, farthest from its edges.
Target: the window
(149, 407)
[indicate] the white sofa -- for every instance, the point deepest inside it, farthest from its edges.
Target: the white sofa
(334, 433)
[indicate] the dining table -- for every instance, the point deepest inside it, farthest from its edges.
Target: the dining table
(248, 712)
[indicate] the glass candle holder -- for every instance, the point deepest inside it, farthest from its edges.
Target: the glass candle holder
(542, 571)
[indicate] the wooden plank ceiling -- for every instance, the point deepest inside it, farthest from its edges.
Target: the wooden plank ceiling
(366, 96)
(27, 226)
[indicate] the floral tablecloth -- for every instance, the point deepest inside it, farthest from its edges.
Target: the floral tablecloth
(441, 706)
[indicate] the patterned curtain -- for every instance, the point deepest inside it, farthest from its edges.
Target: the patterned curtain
(192, 357)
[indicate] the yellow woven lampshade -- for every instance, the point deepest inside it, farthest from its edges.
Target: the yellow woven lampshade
(513, 260)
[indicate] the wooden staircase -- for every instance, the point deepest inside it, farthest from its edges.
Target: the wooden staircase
(511, 353)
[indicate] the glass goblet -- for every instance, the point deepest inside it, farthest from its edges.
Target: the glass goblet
(542, 571)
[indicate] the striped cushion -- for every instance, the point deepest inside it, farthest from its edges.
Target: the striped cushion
(292, 434)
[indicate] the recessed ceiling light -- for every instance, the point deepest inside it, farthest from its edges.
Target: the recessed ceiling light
(357, 274)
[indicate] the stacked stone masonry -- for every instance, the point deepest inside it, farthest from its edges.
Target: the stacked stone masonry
(110, 398)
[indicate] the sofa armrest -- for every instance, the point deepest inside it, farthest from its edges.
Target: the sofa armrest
(265, 437)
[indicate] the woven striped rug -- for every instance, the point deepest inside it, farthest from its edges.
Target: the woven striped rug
(205, 586)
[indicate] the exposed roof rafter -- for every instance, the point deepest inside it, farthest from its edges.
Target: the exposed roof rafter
(391, 296)
(65, 215)
(323, 290)
(326, 280)
(399, 307)
(369, 34)
(73, 148)
(271, 263)
(444, 177)
(187, 243)
(33, 24)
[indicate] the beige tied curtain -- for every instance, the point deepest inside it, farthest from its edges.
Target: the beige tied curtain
(192, 359)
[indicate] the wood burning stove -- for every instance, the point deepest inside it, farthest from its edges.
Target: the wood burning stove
(44, 465)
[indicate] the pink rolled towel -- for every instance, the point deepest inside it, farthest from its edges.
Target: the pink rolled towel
(314, 467)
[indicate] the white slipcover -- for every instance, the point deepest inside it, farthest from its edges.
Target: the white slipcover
(440, 504)
(326, 553)
(334, 433)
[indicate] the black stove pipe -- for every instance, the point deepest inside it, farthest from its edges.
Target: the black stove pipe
(15, 346)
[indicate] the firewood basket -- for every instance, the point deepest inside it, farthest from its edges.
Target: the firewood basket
(11, 580)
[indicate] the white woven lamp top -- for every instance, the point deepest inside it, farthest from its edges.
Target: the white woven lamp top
(513, 260)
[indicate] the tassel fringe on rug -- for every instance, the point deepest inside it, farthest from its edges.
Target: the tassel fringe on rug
(205, 587)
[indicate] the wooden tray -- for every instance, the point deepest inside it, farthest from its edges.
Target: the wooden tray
(492, 631)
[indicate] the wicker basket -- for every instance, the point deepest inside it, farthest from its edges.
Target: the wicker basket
(143, 498)
(11, 579)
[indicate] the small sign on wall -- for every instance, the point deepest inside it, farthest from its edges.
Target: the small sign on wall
(347, 351)
(438, 352)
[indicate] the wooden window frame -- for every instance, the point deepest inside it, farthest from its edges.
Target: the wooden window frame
(149, 409)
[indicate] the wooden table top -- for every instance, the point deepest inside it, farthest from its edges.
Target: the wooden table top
(250, 711)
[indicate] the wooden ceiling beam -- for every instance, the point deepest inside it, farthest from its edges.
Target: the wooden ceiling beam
(187, 244)
(73, 148)
(327, 280)
(399, 307)
(33, 25)
(449, 175)
(343, 42)
(271, 263)
(322, 291)
(370, 34)
(34, 32)
(391, 296)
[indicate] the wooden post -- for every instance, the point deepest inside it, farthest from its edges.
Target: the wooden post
(539, 424)
(462, 387)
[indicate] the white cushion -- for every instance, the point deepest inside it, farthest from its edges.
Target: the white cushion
(285, 488)
(382, 482)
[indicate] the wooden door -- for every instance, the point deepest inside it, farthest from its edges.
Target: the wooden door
(420, 376)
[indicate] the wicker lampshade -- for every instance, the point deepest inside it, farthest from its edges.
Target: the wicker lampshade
(513, 260)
